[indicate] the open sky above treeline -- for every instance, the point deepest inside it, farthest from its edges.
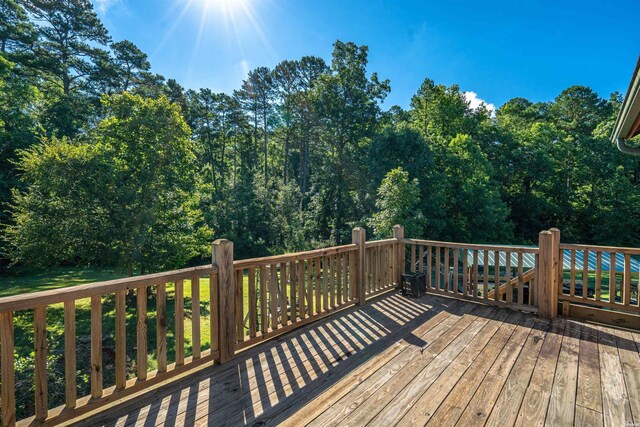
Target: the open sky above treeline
(496, 49)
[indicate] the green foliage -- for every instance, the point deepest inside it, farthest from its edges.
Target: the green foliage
(398, 203)
(474, 210)
(127, 197)
(293, 159)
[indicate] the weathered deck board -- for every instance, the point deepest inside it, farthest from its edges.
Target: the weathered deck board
(398, 361)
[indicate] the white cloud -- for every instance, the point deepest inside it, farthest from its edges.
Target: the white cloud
(103, 6)
(474, 102)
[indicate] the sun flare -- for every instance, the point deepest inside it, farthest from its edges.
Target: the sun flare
(225, 6)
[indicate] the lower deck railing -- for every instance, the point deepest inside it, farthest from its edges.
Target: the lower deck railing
(94, 344)
(492, 274)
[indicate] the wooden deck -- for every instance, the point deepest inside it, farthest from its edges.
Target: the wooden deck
(397, 361)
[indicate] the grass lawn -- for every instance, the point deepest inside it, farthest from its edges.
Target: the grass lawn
(53, 279)
(605, 291)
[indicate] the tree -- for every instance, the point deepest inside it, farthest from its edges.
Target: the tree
(71, 41)
(403, 147)
(126, 197)
(256, 98)
(69, 53)
(347, 103)
(17, 33)
(18, 128)
(473, 208)
(130, 63)
(398, 202)
(440, 113)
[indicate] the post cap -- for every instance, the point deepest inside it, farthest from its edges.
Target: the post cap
(221, 242)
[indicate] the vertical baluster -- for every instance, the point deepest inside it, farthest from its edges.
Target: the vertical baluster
(325, 283)
(40, 368)
(332, 281)
(374, 269)
(447, 286)
(70, 354)
(161, 327)
(141, 333)
(598, 275)
(338, 264)
(421, 259)
(465, 272)
(430, 283)
(626, 290)
(179, 286)
(345, 276)
(377, 284)
(316, 276)
(521, 279)
(96, 346)
(273, 296)
(214, 304)
(496, 276)
(585, 273)
(438, 272)
(293, 290)
(195, 317)
(413, 258)
(239, 304)
(7, 377)
(533, 293)
(383, 266)
(561, 271)
(475, 273)
(572, 283)
(612, 277)
(283, 294)
(485, 273)
(121, 340)
(353, 289)
(264, 319)
(253, 304)
(507, 279)
(371, 255)
(304, 288)
(456, 273)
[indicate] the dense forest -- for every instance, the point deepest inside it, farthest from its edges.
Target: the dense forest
(104, 162)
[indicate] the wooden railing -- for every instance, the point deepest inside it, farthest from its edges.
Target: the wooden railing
(125, 298)
(491, 274)
(279, 293)
(380, 271)
(242, 303)
(600, 283)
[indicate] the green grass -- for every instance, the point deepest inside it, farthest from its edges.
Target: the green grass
(605, 291)
(53, 279)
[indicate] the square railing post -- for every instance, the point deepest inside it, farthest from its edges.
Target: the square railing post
(359, 237)
(222, 257)
(547, 276)
(557, 267)
(398, 261)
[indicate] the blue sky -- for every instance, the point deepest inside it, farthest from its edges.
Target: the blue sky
(497, 49)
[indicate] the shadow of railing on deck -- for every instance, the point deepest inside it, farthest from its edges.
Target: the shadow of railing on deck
(268, 383)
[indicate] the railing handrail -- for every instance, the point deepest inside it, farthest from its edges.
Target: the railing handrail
(616, 249)
(255, 262)
(475, 246)
(57, 296)
(382, 242)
